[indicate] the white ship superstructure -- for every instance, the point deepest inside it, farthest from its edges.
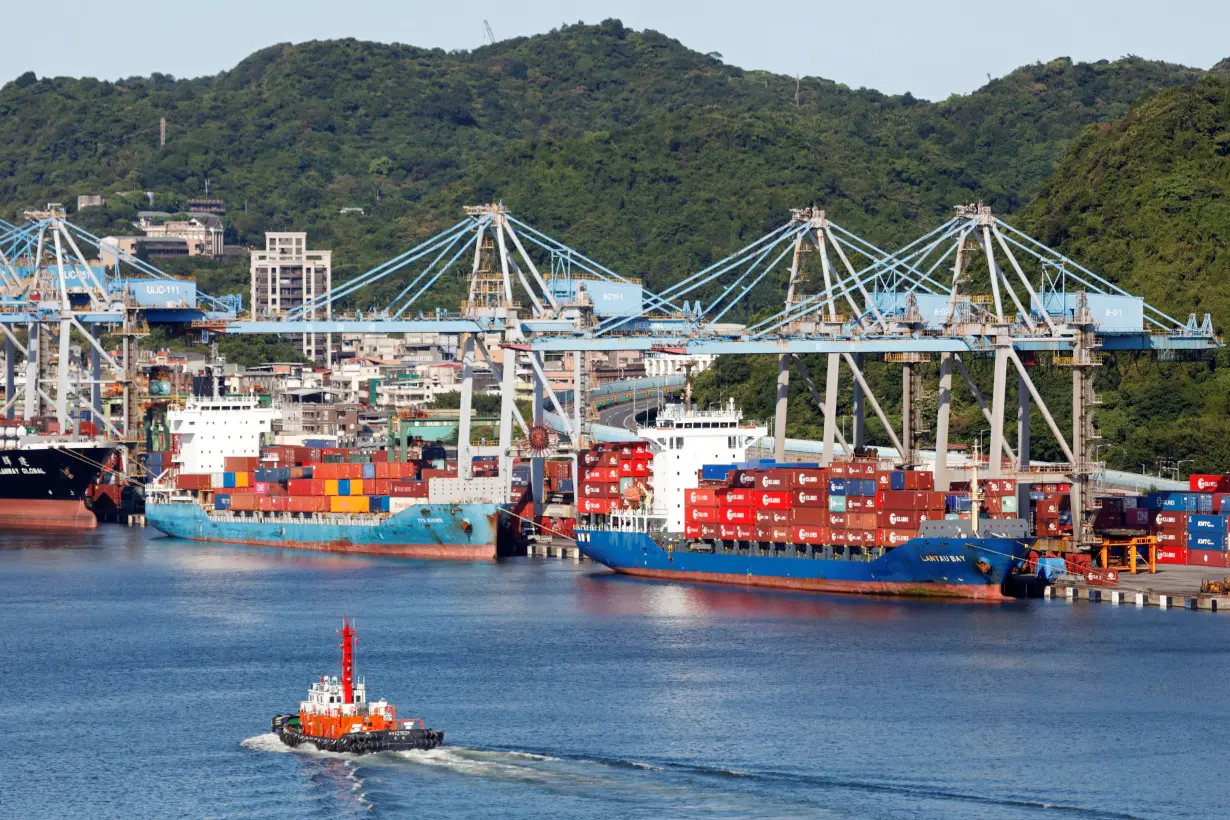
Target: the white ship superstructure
(687, 439)
(210, 429)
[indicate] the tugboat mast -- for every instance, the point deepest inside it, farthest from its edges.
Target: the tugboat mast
(347, 661)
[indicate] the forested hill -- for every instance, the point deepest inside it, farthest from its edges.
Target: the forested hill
(650, 155)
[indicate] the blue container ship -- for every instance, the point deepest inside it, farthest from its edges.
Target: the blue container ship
(459, 531)
(947, 560)
(951, 553)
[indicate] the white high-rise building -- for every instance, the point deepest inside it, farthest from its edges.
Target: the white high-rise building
(287, 275)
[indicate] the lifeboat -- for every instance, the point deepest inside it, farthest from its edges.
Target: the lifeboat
(338, 717)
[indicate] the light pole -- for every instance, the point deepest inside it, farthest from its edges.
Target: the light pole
(1178, 464)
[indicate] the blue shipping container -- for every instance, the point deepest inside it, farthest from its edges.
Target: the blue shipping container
(837, 486)
(379, 503)
(343, 486)
(896, 480)
(715, 472)
(228, 480)
(1205, 540)
(369, 470)
(564, 485)
(222, 502)
(1208, 523)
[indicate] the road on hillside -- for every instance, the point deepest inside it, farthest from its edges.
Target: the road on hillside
(621, 415)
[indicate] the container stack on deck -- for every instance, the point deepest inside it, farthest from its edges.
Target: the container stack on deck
(614, 476)
(852, 504)
(318, 480)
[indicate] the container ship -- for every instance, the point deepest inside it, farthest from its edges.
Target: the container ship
(45, 480)
(317, 498)
(706, 514)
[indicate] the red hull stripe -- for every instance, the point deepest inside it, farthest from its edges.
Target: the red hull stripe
(59, 514)
(987, 592)
(450, 552)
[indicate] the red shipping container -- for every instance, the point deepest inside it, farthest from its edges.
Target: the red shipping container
(884, 480)
(407, 489)
(193, 481)
(1219, 503)
(905, 519)
(559, 469)
(244, 502)
(307, 503)
(1172, 538)
(625, 451)
(808, 535)
(839, 469)
(1208, 558)
(999, 486)
(728, 532)
(772, 500)
(773, 517)
(777, 479)
(609, 460)
(861, 469)
(1046, 526)
(1171, 555)
(743, 478)
(839, 538)
(306, 486)
(837, 520)
(735, 497)
(640, 468)
(736, 515)
(589, 459)
(708, 530)
(919, 480)
(780, 535)
(860, 503)
(894, 538)
(810, 498)
(1209, 483)
(860, 521)
(763, 533)
(240, 464)
(701, 497)
(380, 457)
(698, 515)
(1170, 520)
(592, 489)
(595, 505)
(809, 479)
(1136, 517)
(625, 468)
(810, 516)
(863, 538)
(1047, 508)
(691, 530)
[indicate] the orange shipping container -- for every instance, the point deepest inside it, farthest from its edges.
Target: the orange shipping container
(349, 504)
(240, 464)
(307, 503)
(244, 502)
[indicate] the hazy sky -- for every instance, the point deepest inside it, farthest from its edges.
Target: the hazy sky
(931, 49)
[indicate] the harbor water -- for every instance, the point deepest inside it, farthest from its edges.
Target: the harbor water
(140, 674)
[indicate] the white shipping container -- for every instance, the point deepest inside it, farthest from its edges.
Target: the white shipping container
(216, 481)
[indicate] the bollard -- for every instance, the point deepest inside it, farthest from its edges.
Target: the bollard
(1163, 602)
(1116, 596)
(1140, 599)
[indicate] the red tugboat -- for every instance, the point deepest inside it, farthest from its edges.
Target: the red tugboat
(337, 717)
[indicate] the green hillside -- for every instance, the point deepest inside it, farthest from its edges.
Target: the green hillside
(650, 155)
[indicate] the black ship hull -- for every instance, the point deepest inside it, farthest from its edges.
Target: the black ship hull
(395, 740)
(47, 485)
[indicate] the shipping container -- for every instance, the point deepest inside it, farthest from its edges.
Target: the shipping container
(1208, 558)
(598, 505)
(222, 501)
(1204, 540)
(767, 500)
(807, 534)
(1208, 523)
(699, 515)
(837, 503)
(1209, 483)
(734, 497)
(809, 498)
(811, 516)
(1171, 555)
(893, 538)
(774, 517)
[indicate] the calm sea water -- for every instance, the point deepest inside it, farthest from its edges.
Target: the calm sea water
(139, 675)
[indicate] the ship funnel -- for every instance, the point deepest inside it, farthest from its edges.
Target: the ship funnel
(348, 636)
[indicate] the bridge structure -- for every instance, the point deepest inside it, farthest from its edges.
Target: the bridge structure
(974, 287)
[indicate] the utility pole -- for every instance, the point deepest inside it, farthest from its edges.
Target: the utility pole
(162, 132)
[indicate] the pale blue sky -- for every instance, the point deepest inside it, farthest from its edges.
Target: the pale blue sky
(932, 49)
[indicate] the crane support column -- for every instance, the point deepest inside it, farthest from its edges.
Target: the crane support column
(508, 403)
(537, 463)
(830, 407)
(31, 411)
(465, 461)
(907, 413)
(10, 382)
(858, 433)
(995, 460)
(1023, 407)
(779, 416)
(943, 411)
(65, 336)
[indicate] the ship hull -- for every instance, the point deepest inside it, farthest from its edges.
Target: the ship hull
(972, 569)
(394, 740)
(45, 487)
(439, 531)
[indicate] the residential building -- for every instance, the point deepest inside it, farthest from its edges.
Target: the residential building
(202, 234)
(287, 275)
